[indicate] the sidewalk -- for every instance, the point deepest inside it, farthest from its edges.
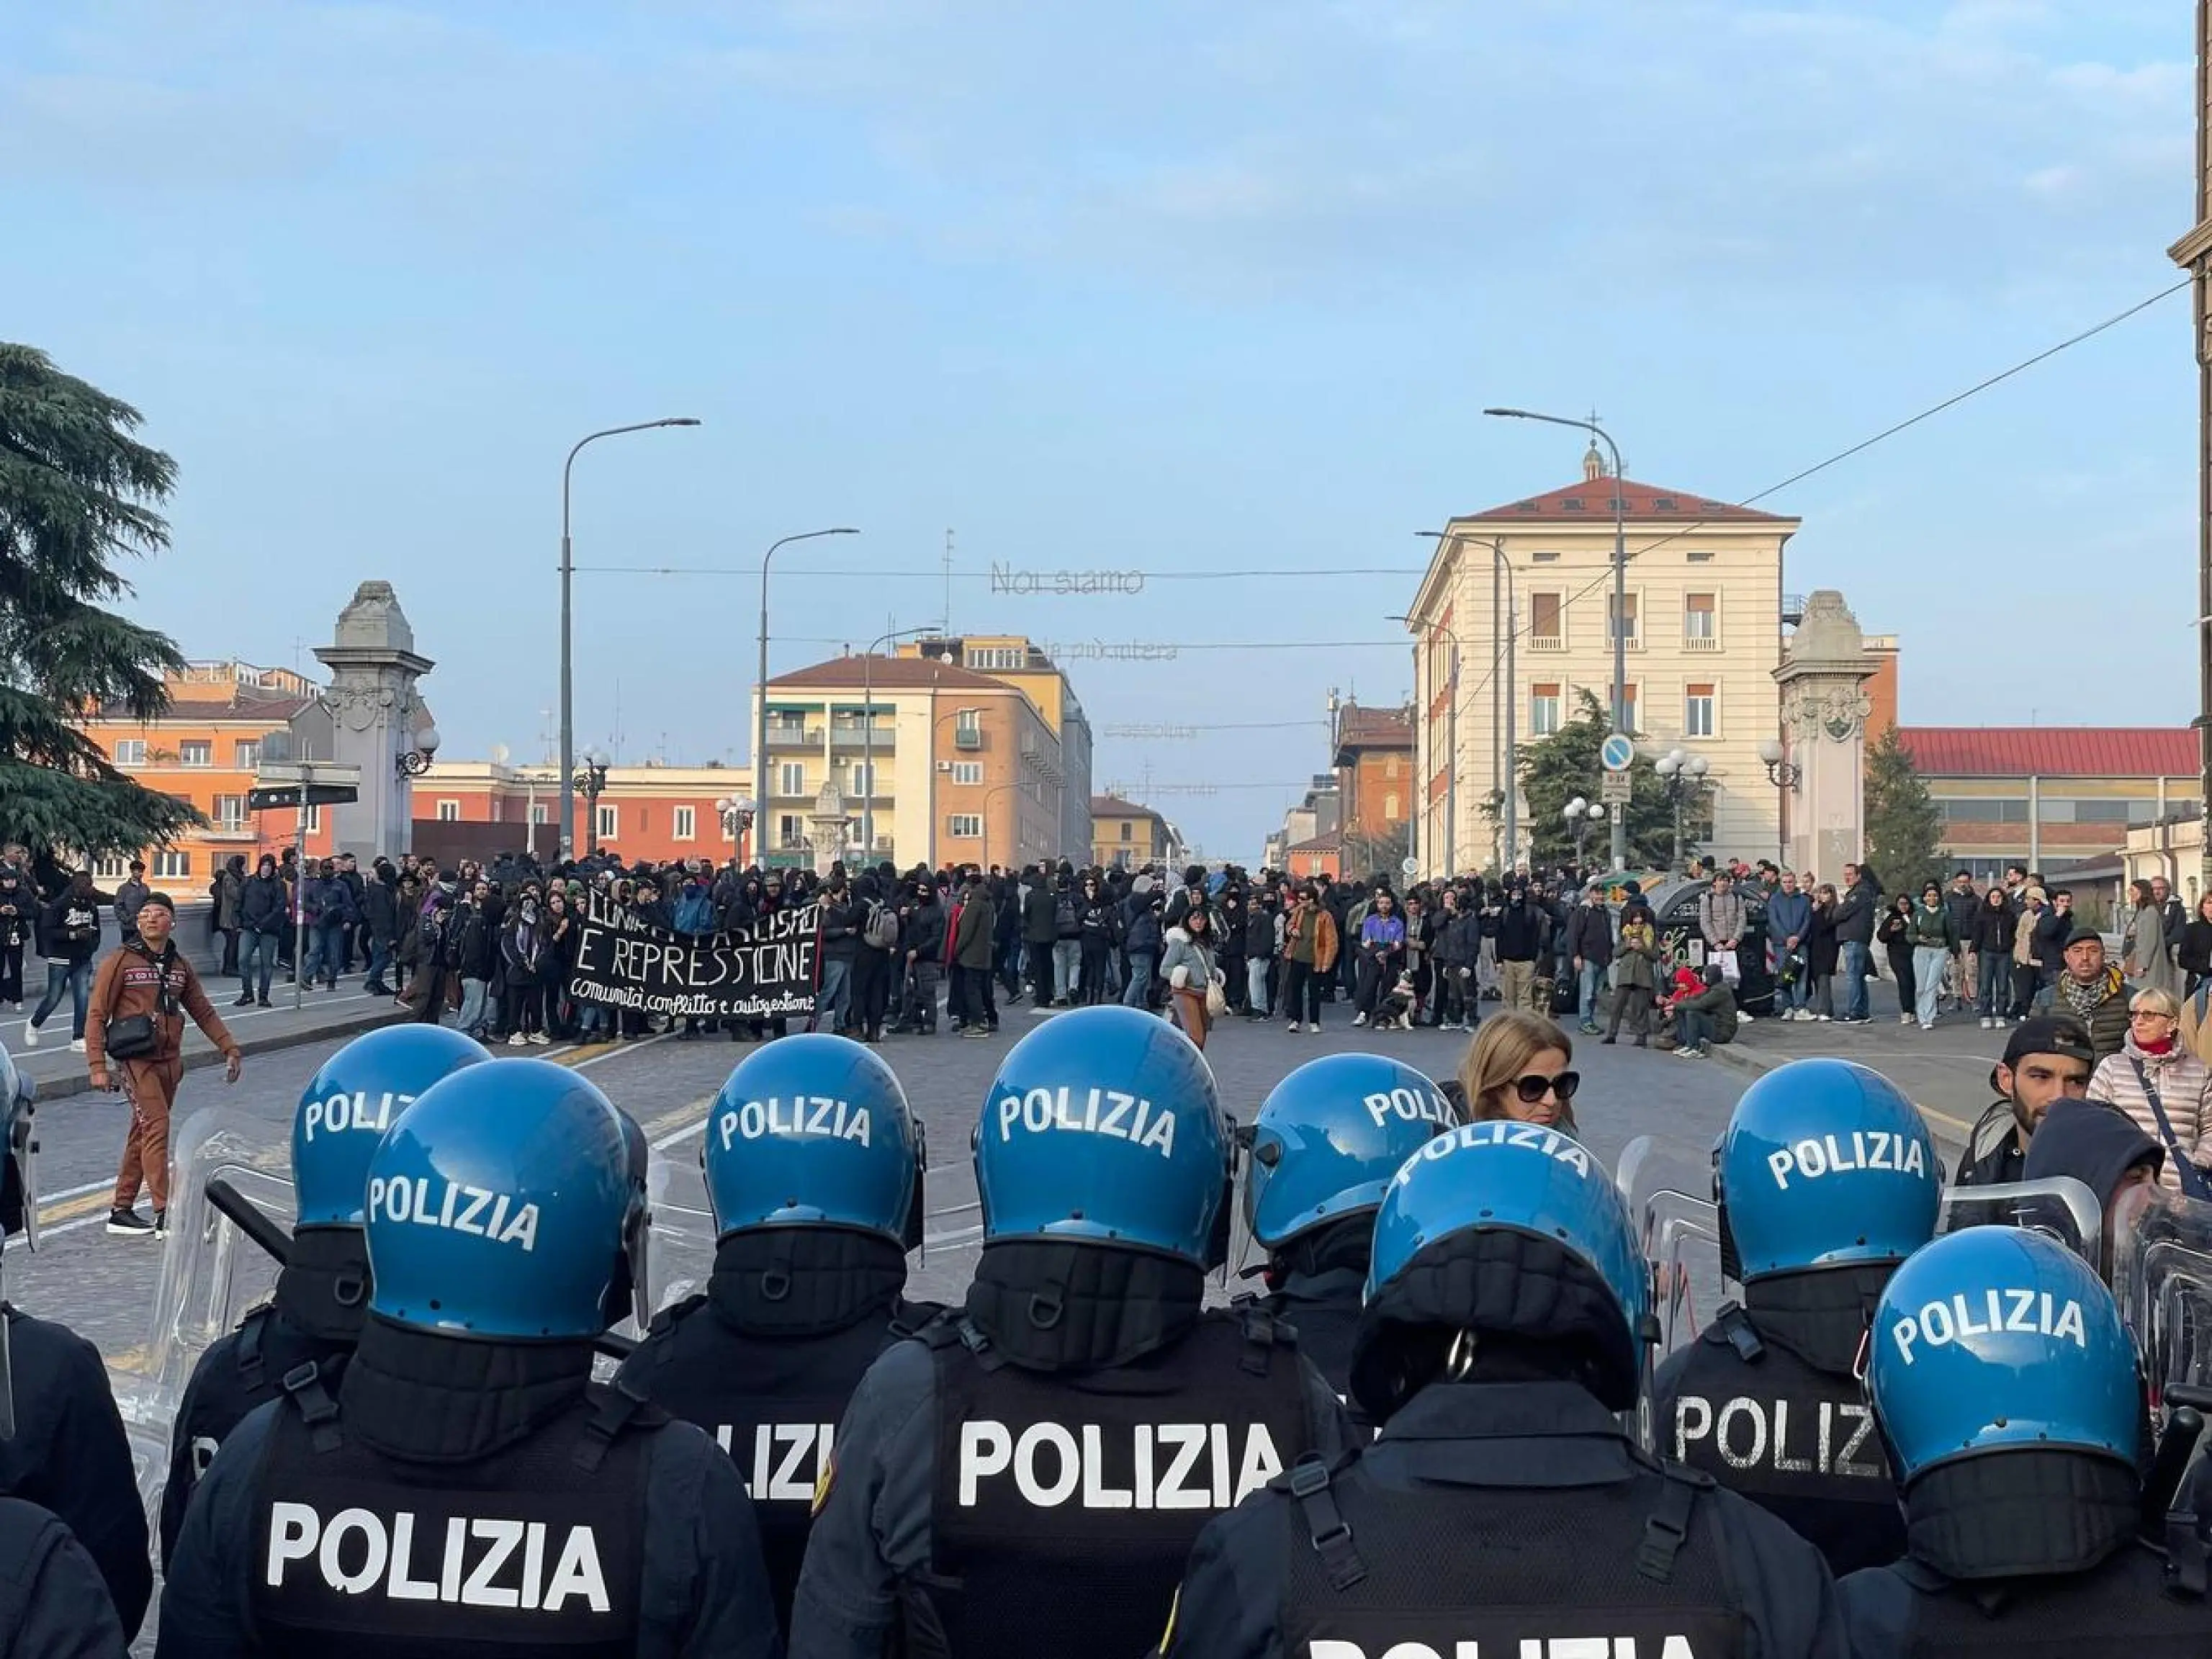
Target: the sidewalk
(59, 1072)
(1945, 1072)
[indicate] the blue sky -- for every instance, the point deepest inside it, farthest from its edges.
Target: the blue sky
(1171, 287)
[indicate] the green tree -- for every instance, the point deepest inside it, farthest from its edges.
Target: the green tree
(78, 494)
(1904, 831)
(1555, 769)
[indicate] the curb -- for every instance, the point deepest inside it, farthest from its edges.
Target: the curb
(196, 1059)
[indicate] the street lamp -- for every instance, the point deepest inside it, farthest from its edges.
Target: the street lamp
(737, 817)
(1785, 775)
(868, 732)
(1583, 816)
(567, 670)
(1682, 775)
(1619, 593)
(589, 780)
(414, 763)
(760, 728)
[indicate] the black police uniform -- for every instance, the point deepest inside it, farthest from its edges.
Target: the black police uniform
(765, 1363)
(466, 1498)
(53, 1603)
(1796, 1439)
(236, 1374)
(1317, 1282)
(70, 1455)
(1501, 1515)
(2121, 1606)
(997, 1512)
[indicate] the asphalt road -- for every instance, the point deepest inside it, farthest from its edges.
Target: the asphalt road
(105, 1286)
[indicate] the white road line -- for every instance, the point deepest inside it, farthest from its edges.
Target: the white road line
(949, 1209)
(956, 1236)
(668, 1140)
(45, 1198)
(630, 1047)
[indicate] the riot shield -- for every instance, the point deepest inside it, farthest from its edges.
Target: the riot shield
(2063, 1210)
(2162, 1278)
(680, 1252)
(1669, 1193)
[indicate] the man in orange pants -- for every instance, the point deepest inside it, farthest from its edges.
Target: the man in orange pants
(149, 981)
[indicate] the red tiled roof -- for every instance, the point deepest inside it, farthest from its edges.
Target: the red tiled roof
(1113, 806)
(1374, 728)
(888, 674)
(1591, 501)
(268, 711)
(2051, 752)
(1331, 843)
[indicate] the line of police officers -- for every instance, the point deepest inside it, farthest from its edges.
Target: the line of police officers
(405, 1453)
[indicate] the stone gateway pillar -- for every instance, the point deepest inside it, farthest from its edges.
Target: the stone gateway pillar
(376, 716)
(1823, 714)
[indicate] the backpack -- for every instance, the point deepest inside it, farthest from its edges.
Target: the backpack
(883, 928)
(1065, 916)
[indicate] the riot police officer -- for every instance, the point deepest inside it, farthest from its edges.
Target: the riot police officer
(1502, 1507)
(463, 1487)
(2010, 1397)
(814, 1172)
(1826, 1180)
(67, 1452)
(1328, 1139)
(1027, 1478)
(53, 1603)
(322, 1291)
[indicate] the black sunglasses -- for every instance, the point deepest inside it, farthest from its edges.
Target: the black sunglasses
(1533, 1087)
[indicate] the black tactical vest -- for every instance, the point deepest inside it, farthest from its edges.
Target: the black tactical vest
(1635, 1567)
(536, 1548)
(1325, 1330)
(1066, 1505)
(2120, 1607)
(1799, 1443)
(772, 1403)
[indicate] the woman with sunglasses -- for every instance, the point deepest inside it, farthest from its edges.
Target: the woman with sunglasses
(2158, 1081)
(1518, 1068)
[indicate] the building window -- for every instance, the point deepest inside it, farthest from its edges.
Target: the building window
(1128, 830)
(245, 755)
(1547, 623)
(1701, 621)
(314, 820)
(1698, 718)
(994, 657)
(607, 821)
(1628, 710)
(964, 826)
(1543, 710)
(1390, 766)
(1390, 806)
(196, 752)
(131, 751)
(1551, 556)
(230, 813)
(449, 811)
(1623, 623)
(1985, 809)
(687, 823)
(540, 813)
(786, 831)
(864, 778)
(790, 777)
(967, 771)
(112, 866)
(170, 864)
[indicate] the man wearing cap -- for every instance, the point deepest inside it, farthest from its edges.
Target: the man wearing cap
(2089, 990)
(2046, 1061)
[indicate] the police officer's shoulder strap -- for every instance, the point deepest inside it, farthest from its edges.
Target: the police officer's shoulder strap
(667, 1317)
(303, 1387)
(1667, 1527)
(1732, 1325)
(2186, 1556)
(616, 1409)
(1263, 1334)
(913, 1319)
(253, 1364)
(1307, 1482)
(956, 1329)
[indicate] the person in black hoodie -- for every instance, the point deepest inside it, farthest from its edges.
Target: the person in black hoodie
(69, 940)
(2101, 1148)
(921, 952)
(843, 916)
(1142, 938)
(2046, 1061)
(19, 910)
(379, 910)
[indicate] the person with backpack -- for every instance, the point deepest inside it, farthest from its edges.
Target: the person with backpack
(696, 917)
(841, 919)
(872, 958)
(1039, 924)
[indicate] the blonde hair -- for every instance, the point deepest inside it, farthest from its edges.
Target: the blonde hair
(1503, 1047)
(2154, 999)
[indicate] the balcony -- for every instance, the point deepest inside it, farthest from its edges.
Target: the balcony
(967, 737)
(788, 732)
(857, 734)
(1701, 643)
(1546, 641)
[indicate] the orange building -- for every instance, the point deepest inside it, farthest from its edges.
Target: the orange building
(655, 813)
(1374, 761)
(206, 750)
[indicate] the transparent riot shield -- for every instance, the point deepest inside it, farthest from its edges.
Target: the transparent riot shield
(1669, 1193)
(2162, 1278)
(680, 1252)
(2063, 1210)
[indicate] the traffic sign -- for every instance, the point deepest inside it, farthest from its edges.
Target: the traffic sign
(1618, 753)
(1410, 865)
(1613, 789)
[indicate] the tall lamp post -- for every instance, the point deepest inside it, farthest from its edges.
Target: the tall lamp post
(1682, 775)
(1583, 816)
(591, 782)
(737, 817)
(868, 732)
(760, 729)
(568, 843)
(1785, 775)
(1619, 593)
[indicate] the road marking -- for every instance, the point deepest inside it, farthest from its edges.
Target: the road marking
(85, 1203)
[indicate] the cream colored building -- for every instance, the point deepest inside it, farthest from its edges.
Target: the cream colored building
(1704, 615)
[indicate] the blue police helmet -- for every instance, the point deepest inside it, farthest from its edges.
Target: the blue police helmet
(506, 1201)
(1825, 1164)
(813, 1130)
(1995, 1338)
(358, 1093)
(1329, 1137)
(1104, 1125)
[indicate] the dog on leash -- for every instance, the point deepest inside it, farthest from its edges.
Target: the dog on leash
(1394, 1010)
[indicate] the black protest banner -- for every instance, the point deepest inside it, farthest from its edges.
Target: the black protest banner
(764, 970)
